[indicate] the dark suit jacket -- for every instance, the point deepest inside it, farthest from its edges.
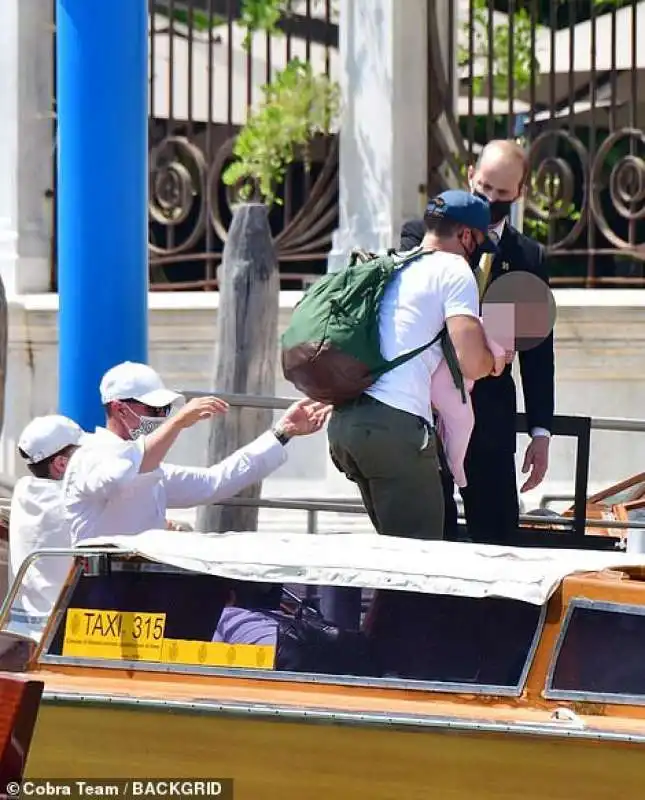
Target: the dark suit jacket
(494, 399)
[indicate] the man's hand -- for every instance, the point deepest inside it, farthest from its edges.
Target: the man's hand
(303, 417)
(536, 459)
(499, 365)
(158, 443)
(510, 355)
(173, 525)
(197, 409)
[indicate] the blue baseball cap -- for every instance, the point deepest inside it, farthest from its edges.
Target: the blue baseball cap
(466, 209)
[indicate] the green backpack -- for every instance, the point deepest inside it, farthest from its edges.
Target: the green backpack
(331, 350)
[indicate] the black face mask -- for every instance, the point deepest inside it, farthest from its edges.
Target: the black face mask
(474, 257)
(499, 209)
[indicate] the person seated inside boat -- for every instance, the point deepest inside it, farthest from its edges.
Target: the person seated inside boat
(37, 520)
(304, 640)
(119, 484)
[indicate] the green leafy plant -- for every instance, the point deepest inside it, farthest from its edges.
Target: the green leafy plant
(523, 63)
(196, 18)
(520, 58)
(546, 207)
(297, 105)
(263, 14)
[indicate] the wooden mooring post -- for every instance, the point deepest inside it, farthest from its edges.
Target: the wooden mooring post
(247, 342)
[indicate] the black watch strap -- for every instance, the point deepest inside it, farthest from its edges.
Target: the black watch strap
(280, 436)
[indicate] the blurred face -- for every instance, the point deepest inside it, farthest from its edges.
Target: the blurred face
(498, 178)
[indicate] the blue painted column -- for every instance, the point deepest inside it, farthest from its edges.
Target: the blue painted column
(102, 195)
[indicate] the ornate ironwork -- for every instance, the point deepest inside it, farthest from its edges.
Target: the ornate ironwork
(185, 190)
(520, 61)
(190, 207)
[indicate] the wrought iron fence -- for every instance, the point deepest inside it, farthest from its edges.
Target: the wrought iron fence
(567, 77)
(203, 80)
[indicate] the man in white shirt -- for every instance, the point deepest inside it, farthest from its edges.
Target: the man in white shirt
(118, 483)
(384, 441)
(37, 520)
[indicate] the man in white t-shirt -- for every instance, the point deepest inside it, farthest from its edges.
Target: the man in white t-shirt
(118, 483)
(384, 440)
(37, 520)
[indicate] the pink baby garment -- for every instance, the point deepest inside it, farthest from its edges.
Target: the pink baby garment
(455, 418)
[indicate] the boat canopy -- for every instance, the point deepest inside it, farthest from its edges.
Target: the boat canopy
(530, 575)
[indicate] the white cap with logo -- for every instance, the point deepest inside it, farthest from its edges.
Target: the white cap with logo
(46, 436)
(133, 381)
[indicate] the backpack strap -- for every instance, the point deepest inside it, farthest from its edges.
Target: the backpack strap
(396, 362)
(448, 353)
(411, 256)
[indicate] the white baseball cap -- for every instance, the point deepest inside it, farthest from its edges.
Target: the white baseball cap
(46, 436)
(132, 381)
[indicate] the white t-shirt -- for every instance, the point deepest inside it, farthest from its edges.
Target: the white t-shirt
(37, 520)
(415, 305)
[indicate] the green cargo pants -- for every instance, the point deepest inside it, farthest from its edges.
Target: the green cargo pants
(382, 450)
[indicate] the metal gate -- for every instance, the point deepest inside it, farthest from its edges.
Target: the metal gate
(567, 77)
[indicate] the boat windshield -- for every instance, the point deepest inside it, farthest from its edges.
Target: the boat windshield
(121, 612)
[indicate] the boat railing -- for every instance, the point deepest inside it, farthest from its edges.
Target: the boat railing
(52, 552)
(314, 506)
(578, 427)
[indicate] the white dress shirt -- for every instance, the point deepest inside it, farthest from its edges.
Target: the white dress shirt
(104, 493)
(37, 520)
(497, 231)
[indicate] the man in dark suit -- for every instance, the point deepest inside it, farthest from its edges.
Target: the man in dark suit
(490, 499)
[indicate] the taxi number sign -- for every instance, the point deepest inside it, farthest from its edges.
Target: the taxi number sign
(114, 634)
(136, 636)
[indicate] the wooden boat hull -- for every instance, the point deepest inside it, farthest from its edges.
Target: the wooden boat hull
(283, 757)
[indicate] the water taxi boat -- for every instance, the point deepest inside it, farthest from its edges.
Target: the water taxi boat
(493, 673)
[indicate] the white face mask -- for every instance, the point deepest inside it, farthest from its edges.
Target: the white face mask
(146, 426)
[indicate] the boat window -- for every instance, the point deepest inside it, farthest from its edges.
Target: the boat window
(164, 618)
(601, 652)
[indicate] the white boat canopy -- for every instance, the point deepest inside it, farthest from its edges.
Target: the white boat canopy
(368, 560)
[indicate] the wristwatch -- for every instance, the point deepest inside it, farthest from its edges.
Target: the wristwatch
(281, 436)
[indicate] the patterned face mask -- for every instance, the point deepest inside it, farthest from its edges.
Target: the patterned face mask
(146, 426)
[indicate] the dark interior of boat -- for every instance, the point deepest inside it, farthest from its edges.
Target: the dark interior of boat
(405, 635)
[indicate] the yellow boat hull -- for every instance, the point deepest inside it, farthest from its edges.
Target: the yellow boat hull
(282, 759)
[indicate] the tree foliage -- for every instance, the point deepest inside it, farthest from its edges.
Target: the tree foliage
(297, 105)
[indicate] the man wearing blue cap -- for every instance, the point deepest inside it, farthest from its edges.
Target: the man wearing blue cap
(384, 441)
(491, 498)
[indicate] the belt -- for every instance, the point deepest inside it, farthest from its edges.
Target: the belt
(368, 400)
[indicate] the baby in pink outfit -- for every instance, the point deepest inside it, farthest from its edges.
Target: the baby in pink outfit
(456, 420)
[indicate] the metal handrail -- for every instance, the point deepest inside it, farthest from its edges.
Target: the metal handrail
(79, 552)
(346, 506)
(246, 400)
(620, 424)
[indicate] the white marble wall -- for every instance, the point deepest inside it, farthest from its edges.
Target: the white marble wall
(600, 337)
(26, 166)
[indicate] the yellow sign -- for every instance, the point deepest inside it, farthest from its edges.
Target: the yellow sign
(138, 636)
(217, 654)
(114, 634)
